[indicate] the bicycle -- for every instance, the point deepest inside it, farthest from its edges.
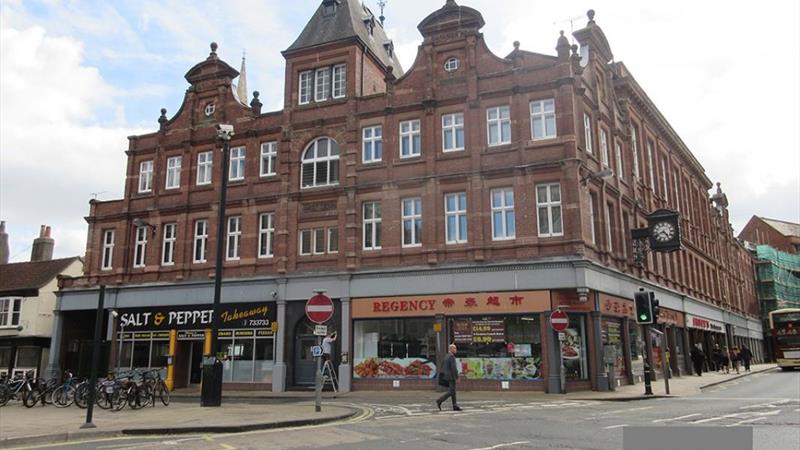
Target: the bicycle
(135, 393)
(18, 388)
(158, 387)
(64, 395)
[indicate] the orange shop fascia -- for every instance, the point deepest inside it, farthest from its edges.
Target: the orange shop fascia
(469, 304)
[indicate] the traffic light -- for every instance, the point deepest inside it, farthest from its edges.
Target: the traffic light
(654, 307)
(644, 307)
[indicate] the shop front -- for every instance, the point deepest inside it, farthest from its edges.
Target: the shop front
(175, 338)
(399, 341)
(708, 333)
(622, 358)
(673, 346)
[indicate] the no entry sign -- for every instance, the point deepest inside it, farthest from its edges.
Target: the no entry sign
(559, 320)
(319, 309)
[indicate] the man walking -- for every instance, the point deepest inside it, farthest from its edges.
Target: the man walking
(746, 356)
(697, 359)
(449, 373)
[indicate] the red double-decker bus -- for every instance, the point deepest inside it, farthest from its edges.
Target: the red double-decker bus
(784, 327)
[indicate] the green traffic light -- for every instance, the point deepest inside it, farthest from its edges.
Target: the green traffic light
(642, 316)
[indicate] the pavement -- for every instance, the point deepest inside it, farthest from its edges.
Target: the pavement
(20, 426)
(249, 411)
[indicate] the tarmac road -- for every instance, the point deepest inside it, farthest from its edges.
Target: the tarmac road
(769, 402)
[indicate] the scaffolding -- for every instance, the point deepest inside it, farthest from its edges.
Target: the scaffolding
(778, 276)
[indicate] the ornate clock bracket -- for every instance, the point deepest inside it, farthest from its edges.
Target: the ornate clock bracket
(641, 245)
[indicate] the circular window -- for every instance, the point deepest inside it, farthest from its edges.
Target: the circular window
(451, 65)
(210, 108)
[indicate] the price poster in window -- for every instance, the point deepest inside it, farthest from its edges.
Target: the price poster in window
(462, 331)
(488, 331)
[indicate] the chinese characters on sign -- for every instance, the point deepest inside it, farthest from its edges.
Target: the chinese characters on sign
(453, 304)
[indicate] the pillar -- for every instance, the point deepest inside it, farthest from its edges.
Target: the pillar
(345, 367)
(207, 351)
(626, 349)
(687, 352)
(54, 360)
(601, 376)
(553, 357)
(279, 369)
(173, 343)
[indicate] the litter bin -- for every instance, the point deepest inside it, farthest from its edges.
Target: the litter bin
(211, 389)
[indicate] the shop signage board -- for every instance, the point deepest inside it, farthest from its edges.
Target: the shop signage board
(559, 321)
(480, 303)
(197, 317)
(462, 331)
(319, 309)
(701, 323)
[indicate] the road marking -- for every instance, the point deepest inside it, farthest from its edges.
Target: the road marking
(676, 418)
(767, 405)
(615, 426)
(624, 410)
(502, 445)
(712, 419)
(747, 421)
(227, 447)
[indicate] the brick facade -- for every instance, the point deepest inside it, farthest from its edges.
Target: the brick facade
(712, 267)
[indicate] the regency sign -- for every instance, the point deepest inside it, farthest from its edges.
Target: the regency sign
(701, 323)
(481, 303)
(196, 317)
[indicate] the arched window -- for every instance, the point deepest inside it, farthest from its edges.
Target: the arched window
(320, 163)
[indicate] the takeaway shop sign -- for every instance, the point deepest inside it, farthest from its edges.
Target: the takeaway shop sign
(454, 304)
(701, 323)
(239, 315)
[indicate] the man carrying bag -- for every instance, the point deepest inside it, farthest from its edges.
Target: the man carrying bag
(447, 377)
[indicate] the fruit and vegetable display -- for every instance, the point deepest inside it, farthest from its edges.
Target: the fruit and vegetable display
(394, 368)
(500, 368)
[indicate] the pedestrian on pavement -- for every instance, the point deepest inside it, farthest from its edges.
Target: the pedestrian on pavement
(746, 356)
(449, 373)
(716, 358)
(735, 356)
(697, 359)
(725, 357)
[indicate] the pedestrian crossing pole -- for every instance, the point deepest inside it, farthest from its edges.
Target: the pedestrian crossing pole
(648, 360)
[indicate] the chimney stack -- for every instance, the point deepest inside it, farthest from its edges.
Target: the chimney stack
(4, 251)
(42, 246)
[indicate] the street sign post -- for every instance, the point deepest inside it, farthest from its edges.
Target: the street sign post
(319, 309)
(316, 351)
(321, 330)
(559, 321)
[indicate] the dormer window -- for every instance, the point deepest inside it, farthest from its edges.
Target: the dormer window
(329, 7)
(322, 84)
(389, 46)
(451, 65)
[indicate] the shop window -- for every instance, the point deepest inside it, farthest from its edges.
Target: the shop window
(498, 348)
(637, 352)
(573, 351)
(250, 359)
(243, 360)
(5, 357)
(394, 348)
(141, 353)
(160, 352)
(27, 357)
(613, 346)
(125, 354)
(262, 372)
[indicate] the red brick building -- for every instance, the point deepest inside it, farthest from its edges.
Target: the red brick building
(460, 200)
(778, 234)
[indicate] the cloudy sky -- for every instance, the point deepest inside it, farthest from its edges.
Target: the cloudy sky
(77, 77)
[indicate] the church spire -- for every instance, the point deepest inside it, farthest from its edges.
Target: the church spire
(241, 87)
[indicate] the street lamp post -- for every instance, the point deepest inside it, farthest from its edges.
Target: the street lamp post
(211, 394)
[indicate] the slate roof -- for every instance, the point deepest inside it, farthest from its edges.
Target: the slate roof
(788, 229)
(348, 22)
(17, 278)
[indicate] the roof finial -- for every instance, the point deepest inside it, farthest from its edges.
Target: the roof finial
(162, 120)
(516, 45)
(241, 87)
(382, 5)
(450, 3)
(590, 15)
(213, 53)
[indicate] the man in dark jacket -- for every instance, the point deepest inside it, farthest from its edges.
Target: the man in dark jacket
(746, 355)
(449, 373)
(697, 359)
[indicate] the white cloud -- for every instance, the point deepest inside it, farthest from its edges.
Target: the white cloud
(53, 154)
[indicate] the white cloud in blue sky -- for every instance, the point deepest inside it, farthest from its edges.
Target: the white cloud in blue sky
(78, 77)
